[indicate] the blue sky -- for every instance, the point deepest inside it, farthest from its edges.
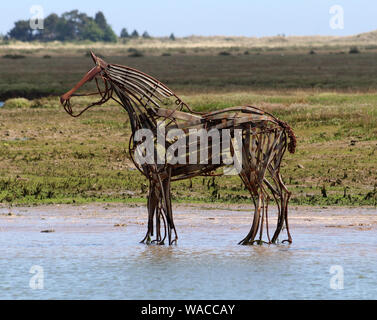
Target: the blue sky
(210, 17)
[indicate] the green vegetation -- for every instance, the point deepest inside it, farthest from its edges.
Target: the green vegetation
(325, 92)
(354, 50)
(124, 33)
(13, 56)
(224, 53)
(17, 103)
(72, 26)
(48, 157)
(34, 76)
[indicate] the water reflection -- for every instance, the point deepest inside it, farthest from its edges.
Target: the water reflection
(113, 265)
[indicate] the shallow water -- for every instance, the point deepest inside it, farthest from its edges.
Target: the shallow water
(88, 258)
(1, 103)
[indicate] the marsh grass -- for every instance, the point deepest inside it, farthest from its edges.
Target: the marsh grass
(63, 160)
(17, 103)
(328, 98)
(34, 77)
(13, 56)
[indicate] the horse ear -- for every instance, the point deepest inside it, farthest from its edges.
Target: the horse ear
(93, 57)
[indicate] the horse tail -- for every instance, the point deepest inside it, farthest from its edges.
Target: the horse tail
(291, 135)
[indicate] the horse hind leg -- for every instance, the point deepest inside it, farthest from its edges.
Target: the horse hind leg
(260, 218)
(283, 197)
(252, 175)
(258, 201)
(278, 188)
(264, 219)
(255, 225)
(289, 240)
(286, 202)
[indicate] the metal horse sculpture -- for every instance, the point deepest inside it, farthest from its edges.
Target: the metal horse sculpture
(264, 142)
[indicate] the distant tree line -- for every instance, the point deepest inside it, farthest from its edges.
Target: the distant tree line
(124, 34)
(72, 26)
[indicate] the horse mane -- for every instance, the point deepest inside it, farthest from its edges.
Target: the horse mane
(139, 86)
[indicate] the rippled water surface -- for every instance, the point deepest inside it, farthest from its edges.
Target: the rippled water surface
(92, 259)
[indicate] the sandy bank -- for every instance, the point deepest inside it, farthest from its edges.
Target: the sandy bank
(111, 217)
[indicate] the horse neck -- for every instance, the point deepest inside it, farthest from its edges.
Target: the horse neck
(145, 92)
(139, 115)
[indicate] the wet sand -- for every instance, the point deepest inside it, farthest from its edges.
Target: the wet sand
(110, 217)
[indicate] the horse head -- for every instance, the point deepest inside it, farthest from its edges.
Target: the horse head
(98, 71)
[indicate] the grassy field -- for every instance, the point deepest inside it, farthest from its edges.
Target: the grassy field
(329, 98)
(197, 45)
(49, 157)
(33, 77)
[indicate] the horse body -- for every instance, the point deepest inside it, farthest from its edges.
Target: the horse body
(264, 142)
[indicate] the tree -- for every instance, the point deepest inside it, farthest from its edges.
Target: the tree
(70, 26)
(146, 35)
(21, 31)
(172, 37)
(92, 32)
(65, 30)
(135, 34)
(124, 33)
(109, 35)
(100, 20)
(49, 32)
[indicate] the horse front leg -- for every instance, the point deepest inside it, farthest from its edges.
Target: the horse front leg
(167, 207)
(152, 204)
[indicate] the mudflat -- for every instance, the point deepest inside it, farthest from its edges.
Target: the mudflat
(110, 217)
(93, 252)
